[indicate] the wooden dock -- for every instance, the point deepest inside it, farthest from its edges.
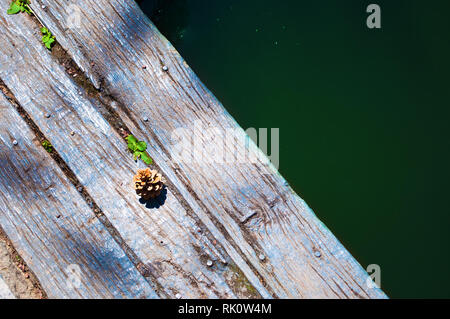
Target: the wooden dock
(220, 230)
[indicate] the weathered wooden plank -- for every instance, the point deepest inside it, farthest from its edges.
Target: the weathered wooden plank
(303, 258)
(173, 252)
(52, 227)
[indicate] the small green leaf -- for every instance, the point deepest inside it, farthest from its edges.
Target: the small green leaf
(146, 159)
(47, 146)
(131, 138)
(132, 143)
(141, 145)
(14, 8)
(19, 6)
(12, 11)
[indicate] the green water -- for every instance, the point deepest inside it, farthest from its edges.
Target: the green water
(363, 115)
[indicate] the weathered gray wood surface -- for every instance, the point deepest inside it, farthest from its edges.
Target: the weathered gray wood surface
(111, 44)
(165, 239)
(119, 39)
(52, 227)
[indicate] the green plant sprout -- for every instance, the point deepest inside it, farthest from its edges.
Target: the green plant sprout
(138, 149)
(19, 6)
(47, 38)
(47, 146)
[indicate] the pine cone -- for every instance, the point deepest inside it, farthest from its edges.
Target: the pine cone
(148, 183)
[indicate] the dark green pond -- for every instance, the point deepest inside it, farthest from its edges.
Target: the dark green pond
(363, 115)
